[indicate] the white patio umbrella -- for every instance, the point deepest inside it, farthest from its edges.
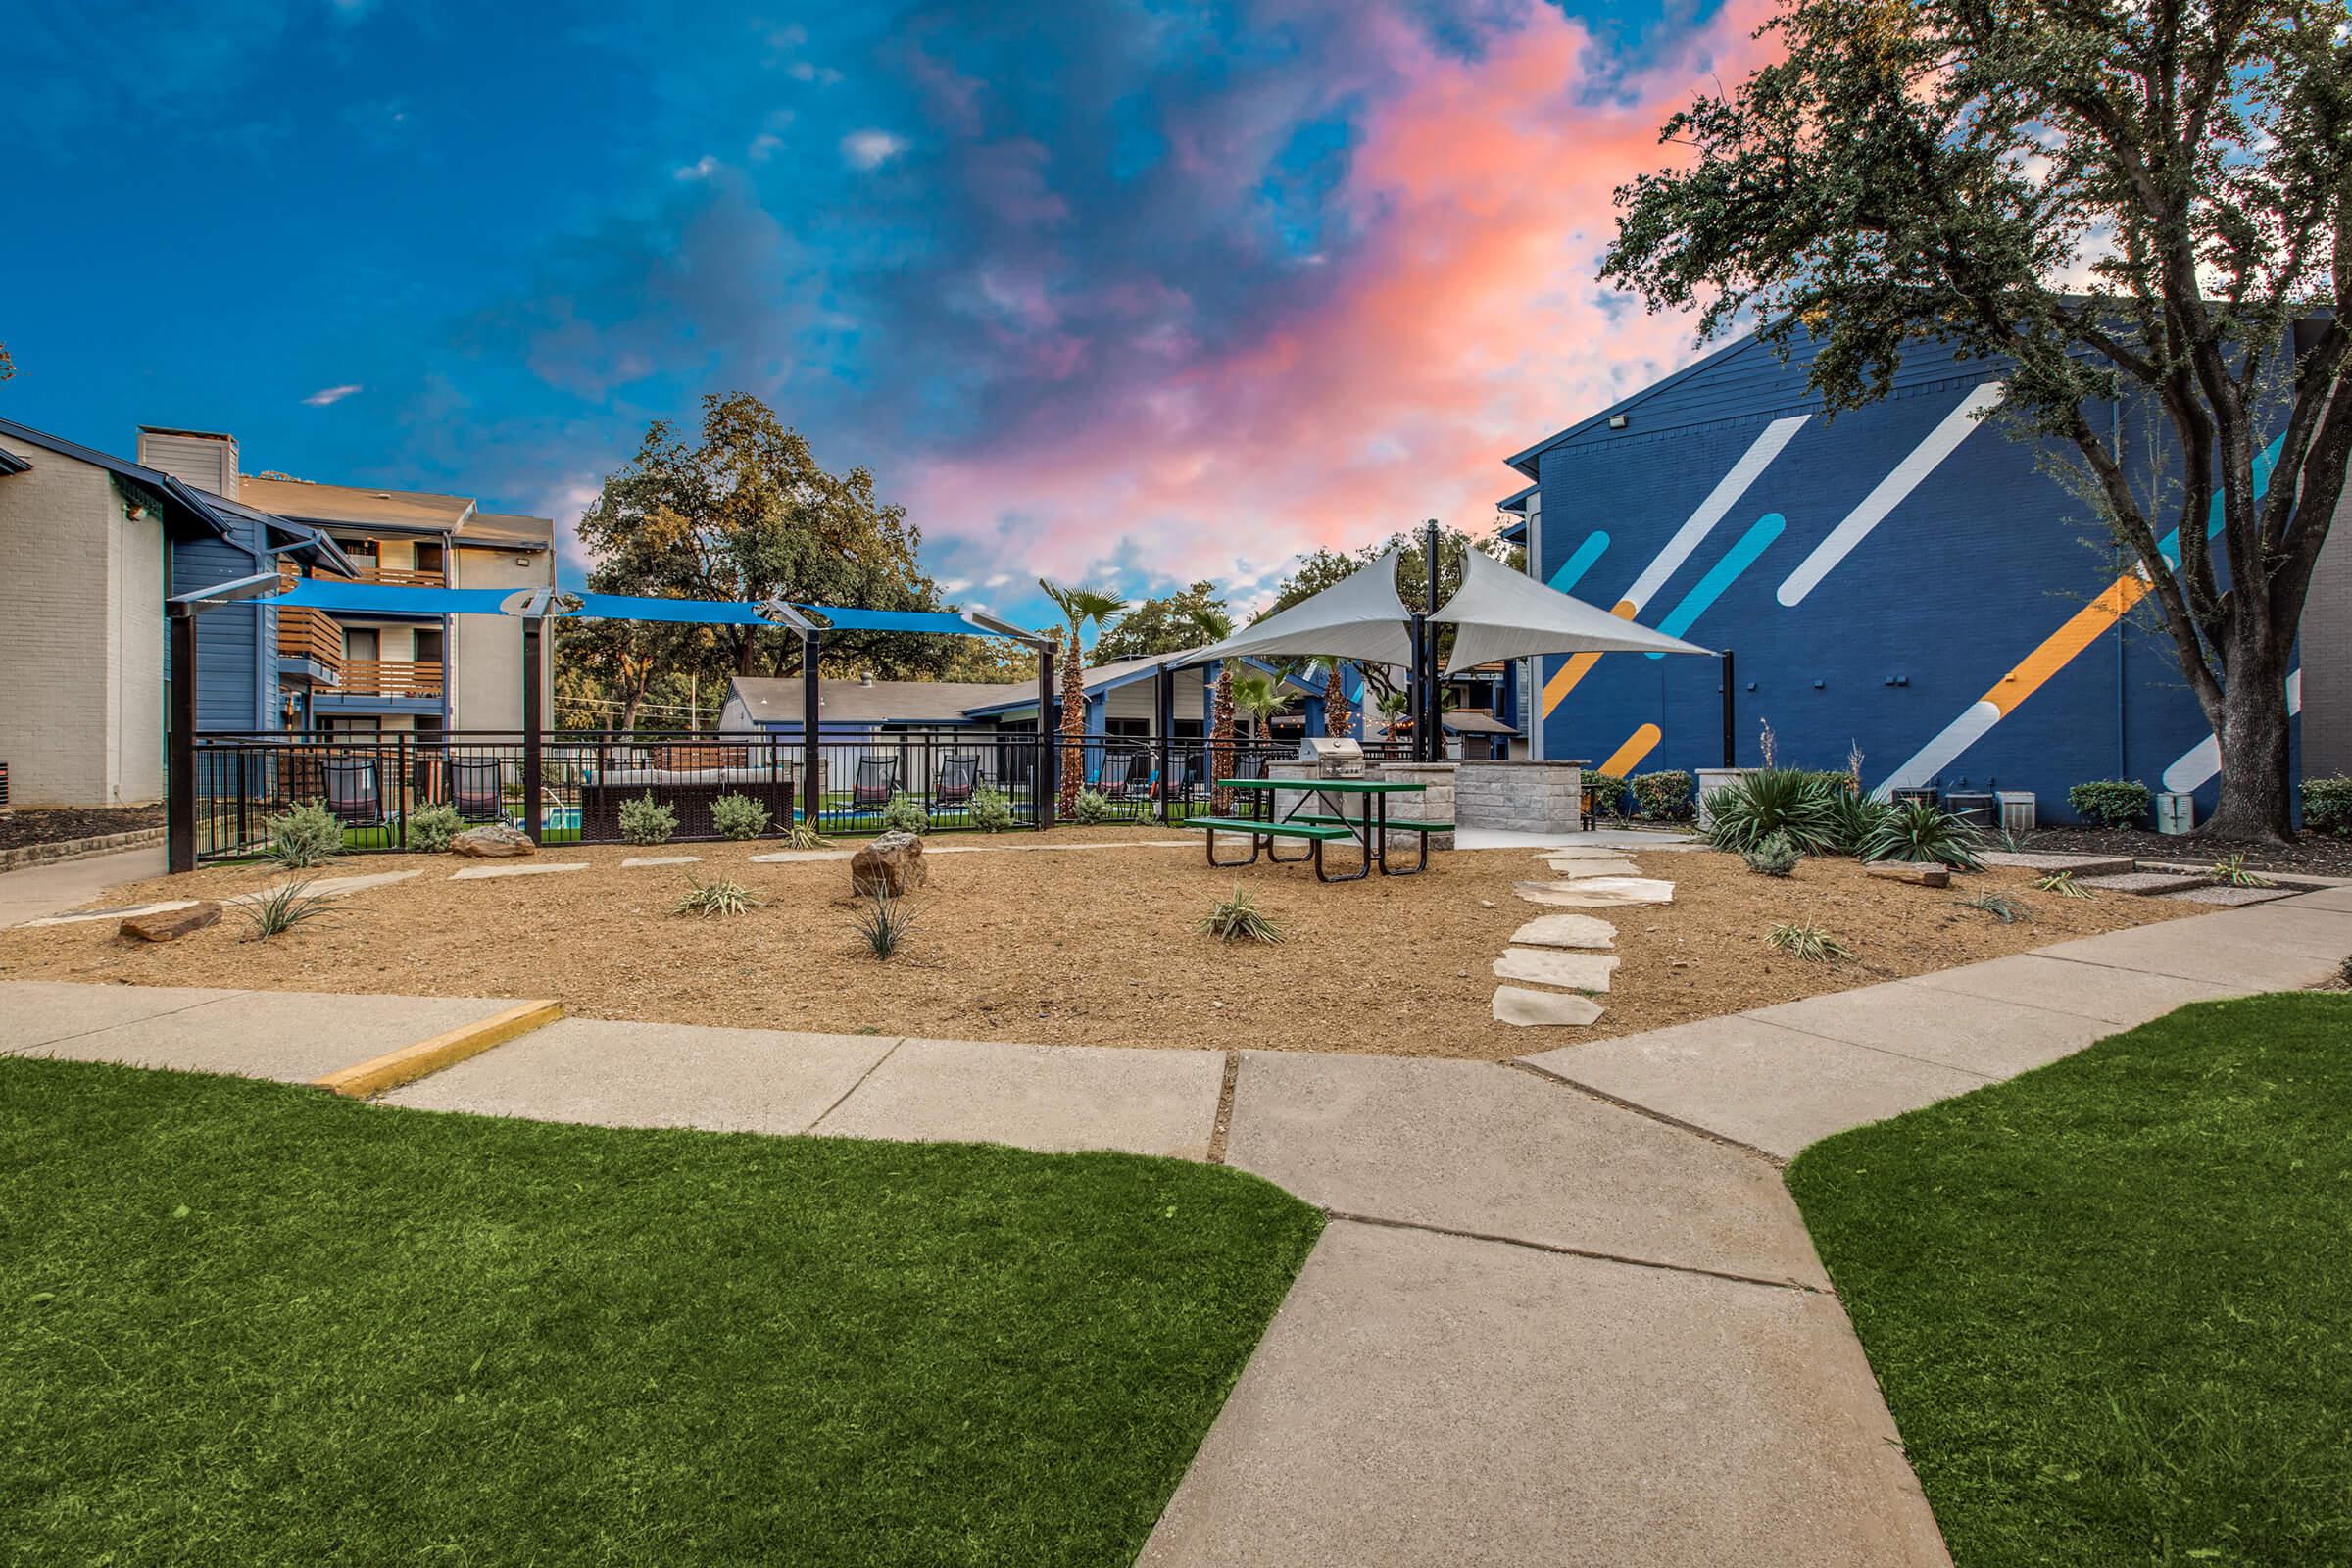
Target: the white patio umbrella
(1501, 613)
(1358, 618)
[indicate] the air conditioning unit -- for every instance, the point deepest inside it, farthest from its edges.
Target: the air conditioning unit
(2017, 811)
(1976, 808)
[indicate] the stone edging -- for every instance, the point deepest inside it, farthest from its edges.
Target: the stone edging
(24, 855)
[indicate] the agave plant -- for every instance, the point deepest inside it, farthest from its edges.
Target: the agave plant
(2231, 872)
(2001, 908)
(2063, 884)
(1857, 816)
(1772, 801)
(1920, 830)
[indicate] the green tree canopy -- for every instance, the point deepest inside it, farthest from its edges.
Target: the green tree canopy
(1167, 624)
(2142, 202)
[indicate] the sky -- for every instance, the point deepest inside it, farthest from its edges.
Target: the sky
(1128, 292)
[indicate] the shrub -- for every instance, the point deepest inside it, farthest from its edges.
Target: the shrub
(646, 821)
(2111, 802)
(804, 835)
(1240, 919)
(1608, 794)
(1807, 942)
(282, 908)
(992, 809)
(431, 827)
(1770, 802)
(739, 816)
(884, 921)
(1854, 818)
(723, 896)
(1091, 807)
(2327, 806)
(1776, 855)
(905, 814)
(1921, 830)
(308, 835)
(1662, 797)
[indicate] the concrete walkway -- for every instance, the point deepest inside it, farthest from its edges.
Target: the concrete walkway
(1565, 1311)
(31, 892)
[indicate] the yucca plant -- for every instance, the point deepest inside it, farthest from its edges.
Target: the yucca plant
(1920, 830)
(884, 921)
(2063, 884)
(1807, 942)
(1772, 801)
(710, 898)
(1856, 816)
(284, 908)
(2230, 873)
(2000, 907)
(1240, 919)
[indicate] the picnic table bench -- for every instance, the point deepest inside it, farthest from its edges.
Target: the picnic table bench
(1369, 831)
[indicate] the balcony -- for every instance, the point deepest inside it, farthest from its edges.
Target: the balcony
(311, 643)
(403, 577)
(393, 677)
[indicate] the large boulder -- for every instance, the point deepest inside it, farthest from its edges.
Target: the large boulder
(494, 841)
(170, 925)
(893, 863)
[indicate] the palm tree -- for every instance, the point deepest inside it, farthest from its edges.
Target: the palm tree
(1079, 606)
(1339, 714)
(1261, 696)
(1394, 711)
(1214, 626)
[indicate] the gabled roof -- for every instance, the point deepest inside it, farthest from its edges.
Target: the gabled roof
(357, 506)
(1526, 462)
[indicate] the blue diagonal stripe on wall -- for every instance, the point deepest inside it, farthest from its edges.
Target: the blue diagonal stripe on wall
(1722, 575)
(1576, 566)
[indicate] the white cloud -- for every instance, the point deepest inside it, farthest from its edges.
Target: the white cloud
(764, 146)
(954, 585)
(997, 580)
(702, 168)
(804, 70)
(871, 149)
(327, 395)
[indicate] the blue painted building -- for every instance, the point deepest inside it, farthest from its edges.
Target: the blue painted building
(1906, 580)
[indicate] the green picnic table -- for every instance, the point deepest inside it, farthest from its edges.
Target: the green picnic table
(1369, 829)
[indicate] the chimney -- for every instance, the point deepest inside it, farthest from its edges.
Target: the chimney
(202, 458)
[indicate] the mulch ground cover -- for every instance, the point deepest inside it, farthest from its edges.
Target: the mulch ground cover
(1028, 942)
(19, 829)
(2314, 853)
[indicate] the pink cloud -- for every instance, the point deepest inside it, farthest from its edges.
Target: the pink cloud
(1463, 323)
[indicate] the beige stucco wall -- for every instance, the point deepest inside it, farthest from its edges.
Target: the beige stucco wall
(485, 652)
(82, 595)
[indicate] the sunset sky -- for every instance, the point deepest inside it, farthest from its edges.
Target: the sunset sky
(1125, 292)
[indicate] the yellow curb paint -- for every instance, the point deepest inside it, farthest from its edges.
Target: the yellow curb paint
(410, 1062)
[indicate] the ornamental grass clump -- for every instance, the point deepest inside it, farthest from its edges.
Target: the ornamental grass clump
(905, 814)
(646, 821)
(2231, 872)
(804, 835)
(1807, 942)
(1921, 830)
(2063, 884)
(284, 908)
(308, 835)
(1240, 919)
(712, 898)
(739, 816)
(2000, 907)
(1775, 856)
(883, 919)
(431, 827)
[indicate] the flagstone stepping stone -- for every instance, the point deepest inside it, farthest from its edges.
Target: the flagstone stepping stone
(1610, 867)
(1582, 852)
(483, 873)
(1565, 931)
(129, 911)
(1596, 892)
(796, 857)
(1550, 966)
(1536, 1009)
(659, 859)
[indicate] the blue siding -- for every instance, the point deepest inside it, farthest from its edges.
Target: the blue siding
(230, 639)
(1921, 621)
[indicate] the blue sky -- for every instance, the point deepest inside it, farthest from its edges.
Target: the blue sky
(1126, 292)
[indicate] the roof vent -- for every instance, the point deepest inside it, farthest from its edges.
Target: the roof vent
(867, 679)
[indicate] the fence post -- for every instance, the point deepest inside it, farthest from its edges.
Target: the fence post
(1163, 719)
(400, 771)
(179, 780)
(1049, 759)
(812, 756)
(534, 760)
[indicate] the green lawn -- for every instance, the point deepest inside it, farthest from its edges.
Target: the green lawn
(247, 1323)
(2111, 1301)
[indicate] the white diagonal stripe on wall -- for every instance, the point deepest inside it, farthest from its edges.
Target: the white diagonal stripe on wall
(1726, 493)
(2203, 761)
(1939, 444)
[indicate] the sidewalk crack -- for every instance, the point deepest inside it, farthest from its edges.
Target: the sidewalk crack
(1776, 1161)
(860, 1084)
(1563, 1249)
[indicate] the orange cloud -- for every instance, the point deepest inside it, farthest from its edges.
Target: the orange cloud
(1463, 323)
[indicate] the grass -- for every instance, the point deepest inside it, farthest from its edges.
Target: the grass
(2108, 1300)
(246, 1323)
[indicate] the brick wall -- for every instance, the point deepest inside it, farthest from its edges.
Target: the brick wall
(1521, 797)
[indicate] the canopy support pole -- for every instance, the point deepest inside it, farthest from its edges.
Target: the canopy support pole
(179, 780)
(534, 759)
(812, 720)
(1163, 719)
(1431, 748)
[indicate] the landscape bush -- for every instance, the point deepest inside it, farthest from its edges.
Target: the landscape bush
(645, 820)
(1608, 794)
(308, 835)
(992, 809)
(1773, 801)
(905, 814)
(1662, 797)
(2111, 802)
(1090, 808)
(2327, 806)
(1240, 919)
(1776, 855)
(739, 816)
(1922, 830)
(431, 827)
(1854, 817)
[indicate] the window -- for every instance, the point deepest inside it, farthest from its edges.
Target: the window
(1128, 729)
(362, 642)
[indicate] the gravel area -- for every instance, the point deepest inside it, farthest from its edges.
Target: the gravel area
(1096, 947)
(2311, 854)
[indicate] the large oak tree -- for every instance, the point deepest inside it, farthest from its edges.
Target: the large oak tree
(2149, 202)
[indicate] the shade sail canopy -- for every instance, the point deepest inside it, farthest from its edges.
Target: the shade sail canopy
(1358, 618)
(1498, 614)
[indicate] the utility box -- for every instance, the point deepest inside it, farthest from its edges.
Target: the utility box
(1916, 791)
(1973, 806)
(2017, 812)
(2175, 813)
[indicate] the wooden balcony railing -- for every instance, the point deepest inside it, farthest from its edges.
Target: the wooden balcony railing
(403, 577)
(312, 634)
(392, 677)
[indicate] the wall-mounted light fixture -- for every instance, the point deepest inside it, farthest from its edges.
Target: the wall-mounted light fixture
(1617, 421)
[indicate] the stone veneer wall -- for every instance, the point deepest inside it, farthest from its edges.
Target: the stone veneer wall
(1523, 797)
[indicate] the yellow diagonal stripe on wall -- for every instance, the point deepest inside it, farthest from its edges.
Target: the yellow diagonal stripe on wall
(1564, 680)
(1639, 744)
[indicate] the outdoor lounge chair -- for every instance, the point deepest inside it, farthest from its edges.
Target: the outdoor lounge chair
(473, 787)
(1137, 785)
(958, 776)
(877, 781)
(355, 790)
